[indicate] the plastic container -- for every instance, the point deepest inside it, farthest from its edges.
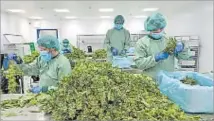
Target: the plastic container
(190, 98)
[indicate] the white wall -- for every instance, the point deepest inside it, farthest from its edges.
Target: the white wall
(199, 23)
(12, 24)
(71, 28)
(42, 24)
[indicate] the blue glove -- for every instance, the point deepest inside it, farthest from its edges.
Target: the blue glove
(65, 51)
(114, 51)
(6, 63)
(179, 47)
(16, 58)
(11, 56)
(161, 56)
(36, 90)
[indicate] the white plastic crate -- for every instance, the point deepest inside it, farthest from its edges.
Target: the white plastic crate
(187, 69)
(192, 43)
(194, 37)
(187, 62)
(185, 38)
(192, 53)
(178, 38)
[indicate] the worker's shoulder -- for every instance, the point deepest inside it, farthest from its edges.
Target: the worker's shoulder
(62, 59)
(166, 38)
(110, 30)
(144, 40)
(113, 29)
(126, 30)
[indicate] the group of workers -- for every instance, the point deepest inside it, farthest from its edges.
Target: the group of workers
(149, 55)
(52, 65)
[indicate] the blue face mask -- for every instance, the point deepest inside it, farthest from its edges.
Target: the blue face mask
(118, 26)
(157, 35)
(45, 56)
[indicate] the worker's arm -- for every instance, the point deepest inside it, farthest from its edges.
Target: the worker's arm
(142, 60)
(64, 69)
(127, 40)
(30, 69)
(69, 48)
(185, 54)
(107, 41)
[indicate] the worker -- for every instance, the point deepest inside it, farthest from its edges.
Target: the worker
(51, 66)
(117, 40)
(66, 48)
(148, 50)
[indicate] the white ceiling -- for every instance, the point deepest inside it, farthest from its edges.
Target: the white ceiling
(89, 9)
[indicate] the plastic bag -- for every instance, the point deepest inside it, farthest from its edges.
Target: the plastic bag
(191, 98)
(209, 74)
(131, 59)
(131, 50)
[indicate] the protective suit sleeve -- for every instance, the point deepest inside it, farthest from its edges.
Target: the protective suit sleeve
(127, 41)
(69, 47)
(30, 69)
(142, 60)
(107, 41)
(64, 70)
(185, 54)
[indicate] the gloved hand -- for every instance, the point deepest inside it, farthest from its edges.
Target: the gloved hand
(16, 58)
(179, 47)
(123, 52)
(131, 50)
(161, 56)
(114, 51)
(67, 51)
(11, 56)
(36, 90)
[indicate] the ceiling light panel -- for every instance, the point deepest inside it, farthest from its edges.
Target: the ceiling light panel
(71, 17)
(61, 10)
(107, 17)
(16, 10)
(35, 17)
(150, 9)
(106, 9)
(140, 16)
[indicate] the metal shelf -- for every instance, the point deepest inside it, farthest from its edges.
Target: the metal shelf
(194, 45)
(97, 41)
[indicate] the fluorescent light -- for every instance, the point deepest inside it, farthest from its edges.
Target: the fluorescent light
(35, 17)
(16, 10)
(62, 10)
(106, 9)
(150, 9)
(105, 17)
(70, 17)
(140, 16)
